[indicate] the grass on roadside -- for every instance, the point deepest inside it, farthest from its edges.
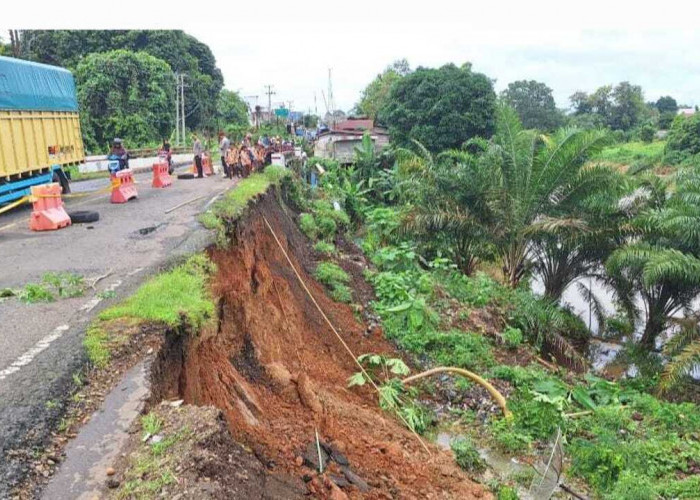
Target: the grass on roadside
(153, 465)
(234, 202)
(171, 295)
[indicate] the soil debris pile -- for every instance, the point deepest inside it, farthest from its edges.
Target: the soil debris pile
(279, 375)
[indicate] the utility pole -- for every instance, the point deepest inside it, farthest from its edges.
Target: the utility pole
(269, 93)
(182, 110)
(177, 109)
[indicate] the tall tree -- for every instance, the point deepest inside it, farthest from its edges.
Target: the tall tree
(125, 94)
(231, 109)
(534, 103)
(667, 104)
(620, 108)
(184, 53)
(375, 95)
(442, 108)
(534, 178)
(661, 265)
(580, 102)
(628, 106)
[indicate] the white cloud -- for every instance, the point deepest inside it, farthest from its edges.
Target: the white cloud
(291, 45)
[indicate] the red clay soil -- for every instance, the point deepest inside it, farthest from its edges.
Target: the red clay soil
(279, 373)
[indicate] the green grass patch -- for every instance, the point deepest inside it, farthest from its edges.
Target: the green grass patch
(325, 248)
(335, 279)
(170, 296)
(467, 456)
(96, 343)
(634, 153)
(235, 200)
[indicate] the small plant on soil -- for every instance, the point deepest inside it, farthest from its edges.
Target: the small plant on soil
(325, 248)
(335, 279)
(95, 343)
(307, 224)
(65, 284)
(512, 337)
(393, 396)
(467, 456)
(151, 424)
(32, 293)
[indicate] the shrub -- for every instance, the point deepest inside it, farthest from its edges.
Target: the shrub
(326, 226)
(335, 279)
(535, 417)
(684, 136)
(307, 224)
(507, 438)
(512, 337)
(325, 248)
(600, 462)
(467, 456)
(507, 493)
(646, 132)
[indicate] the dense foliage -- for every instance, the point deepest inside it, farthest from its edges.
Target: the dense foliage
(621, 442)
(376, 94)
(442, 108)
(684, 136)
(534, 103)
(125, 94)
(184, 53)
(619, 108)
(231, 109)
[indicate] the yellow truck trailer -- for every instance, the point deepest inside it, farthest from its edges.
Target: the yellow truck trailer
(39, 126)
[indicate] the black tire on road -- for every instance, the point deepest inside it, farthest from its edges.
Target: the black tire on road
(83, 216)
(61, 177)
(185, 176)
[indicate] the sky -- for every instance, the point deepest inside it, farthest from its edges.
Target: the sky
(291, 45)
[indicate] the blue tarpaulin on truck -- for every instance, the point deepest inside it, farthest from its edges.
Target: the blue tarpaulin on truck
(27, 85)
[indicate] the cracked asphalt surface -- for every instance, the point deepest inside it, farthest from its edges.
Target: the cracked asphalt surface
(41, 344)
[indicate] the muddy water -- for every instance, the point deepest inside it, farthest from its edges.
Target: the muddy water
(503, 467)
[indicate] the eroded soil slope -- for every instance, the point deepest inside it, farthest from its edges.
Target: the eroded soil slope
(280, 374)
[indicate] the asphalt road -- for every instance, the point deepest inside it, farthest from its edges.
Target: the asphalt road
(41, 343)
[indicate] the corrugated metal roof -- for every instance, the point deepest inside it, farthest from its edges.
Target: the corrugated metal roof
(354, 125)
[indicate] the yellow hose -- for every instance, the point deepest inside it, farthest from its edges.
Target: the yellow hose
(497, 396)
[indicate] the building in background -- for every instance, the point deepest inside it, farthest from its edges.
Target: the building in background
(339, 142)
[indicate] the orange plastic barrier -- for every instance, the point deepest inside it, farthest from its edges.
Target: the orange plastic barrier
(207, 168)
(161, 177)
(47, 208)
(123, 188)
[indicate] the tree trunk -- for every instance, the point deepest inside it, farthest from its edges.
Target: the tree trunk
(655, 325)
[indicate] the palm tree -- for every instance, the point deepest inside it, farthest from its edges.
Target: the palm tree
(683, 351)
(534, 177)
(661, 265)
(447, 195)
(593, 226)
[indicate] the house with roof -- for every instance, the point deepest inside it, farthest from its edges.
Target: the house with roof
(339, 142)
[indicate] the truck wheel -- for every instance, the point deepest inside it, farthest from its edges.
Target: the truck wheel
(83, 216)
(61, 177)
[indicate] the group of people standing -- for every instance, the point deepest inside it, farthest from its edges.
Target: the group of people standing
(242, 158)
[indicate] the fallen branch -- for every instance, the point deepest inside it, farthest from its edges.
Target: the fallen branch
(544, 363)
(95, 281)
(497, 396)
(572, 492)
